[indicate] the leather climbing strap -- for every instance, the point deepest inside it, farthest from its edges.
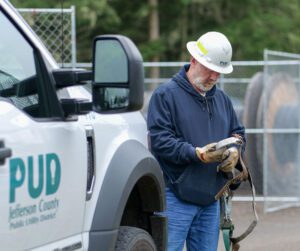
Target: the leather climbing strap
(237, 178)
(225, 195)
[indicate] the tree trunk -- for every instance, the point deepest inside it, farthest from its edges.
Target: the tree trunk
(183, 34)
(154, 36)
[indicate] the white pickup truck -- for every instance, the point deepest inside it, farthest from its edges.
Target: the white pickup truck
(75, 170)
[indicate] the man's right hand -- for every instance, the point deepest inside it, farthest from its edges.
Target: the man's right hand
(209, 154)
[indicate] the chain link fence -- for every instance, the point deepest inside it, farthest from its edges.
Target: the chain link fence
(57, 29)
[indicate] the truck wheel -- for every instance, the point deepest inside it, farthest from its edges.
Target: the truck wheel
(134, 239)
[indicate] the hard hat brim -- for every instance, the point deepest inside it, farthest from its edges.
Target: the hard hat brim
(198, 55)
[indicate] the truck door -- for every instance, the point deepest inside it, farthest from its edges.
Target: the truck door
(43, 183)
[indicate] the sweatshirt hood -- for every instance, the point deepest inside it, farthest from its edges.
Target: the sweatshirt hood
(183, 81)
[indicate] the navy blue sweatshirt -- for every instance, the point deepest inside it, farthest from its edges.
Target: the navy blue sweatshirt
(180, 119)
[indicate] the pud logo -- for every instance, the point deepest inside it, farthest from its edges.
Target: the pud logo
(49, 174)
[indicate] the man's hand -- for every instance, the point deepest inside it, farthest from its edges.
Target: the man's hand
(230, 158)
(238, 137)
(209, 154)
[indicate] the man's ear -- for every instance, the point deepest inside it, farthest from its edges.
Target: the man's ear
(193, 60)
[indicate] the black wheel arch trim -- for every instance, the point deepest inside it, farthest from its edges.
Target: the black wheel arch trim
(131, 161)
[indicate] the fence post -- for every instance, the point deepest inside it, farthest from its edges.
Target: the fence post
(73, 34)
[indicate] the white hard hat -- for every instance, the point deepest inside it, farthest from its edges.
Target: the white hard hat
(213, 50)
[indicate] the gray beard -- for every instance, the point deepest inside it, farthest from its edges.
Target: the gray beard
(198, 83)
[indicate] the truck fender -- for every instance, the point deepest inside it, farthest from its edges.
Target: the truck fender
(131, 161)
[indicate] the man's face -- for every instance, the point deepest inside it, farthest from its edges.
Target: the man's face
(204, 78)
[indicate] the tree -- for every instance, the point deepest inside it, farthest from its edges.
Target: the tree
(162, 28)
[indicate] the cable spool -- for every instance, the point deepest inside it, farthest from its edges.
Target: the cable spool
(252, 98)
(281, 97)
(286, 117)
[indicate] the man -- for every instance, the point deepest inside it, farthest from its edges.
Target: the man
(186, 117)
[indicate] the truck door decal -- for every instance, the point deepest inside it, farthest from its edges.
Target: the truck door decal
(18, 173)
(45, 177)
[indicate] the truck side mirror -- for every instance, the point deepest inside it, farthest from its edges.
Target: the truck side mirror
(118, 75)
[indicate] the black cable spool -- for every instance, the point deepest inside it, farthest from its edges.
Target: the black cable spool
(252, 98)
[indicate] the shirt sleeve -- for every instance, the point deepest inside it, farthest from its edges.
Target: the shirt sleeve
(163, 140)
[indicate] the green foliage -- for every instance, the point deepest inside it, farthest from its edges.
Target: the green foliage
(151, 49)
(263, 24)
(251, 25)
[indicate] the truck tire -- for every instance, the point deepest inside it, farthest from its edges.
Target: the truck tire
(134, 239)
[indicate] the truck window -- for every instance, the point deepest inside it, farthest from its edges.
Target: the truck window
(16, 65)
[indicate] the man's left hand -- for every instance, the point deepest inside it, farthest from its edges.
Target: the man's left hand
(230, 158)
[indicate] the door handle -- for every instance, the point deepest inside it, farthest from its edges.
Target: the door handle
(5, 152)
